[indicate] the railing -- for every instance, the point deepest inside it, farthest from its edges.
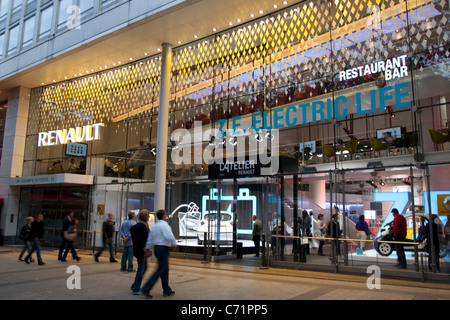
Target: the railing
(334, 257)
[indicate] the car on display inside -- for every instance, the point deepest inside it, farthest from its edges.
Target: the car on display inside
(218, 233)
(188, 219)
(386, 248)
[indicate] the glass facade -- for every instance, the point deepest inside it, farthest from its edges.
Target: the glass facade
(53, 16)
(356, 90)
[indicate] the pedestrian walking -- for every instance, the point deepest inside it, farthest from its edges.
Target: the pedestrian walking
(36, 235)
(139, 235)
(70, 235)
(127, 253)
(399, 234)
(24, 235)
(162, 239)
(256, 234)
(321, 233)
(66, 224)
(107, 236)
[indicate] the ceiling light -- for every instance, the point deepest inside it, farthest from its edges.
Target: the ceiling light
(275, 6)
(179, 42)
(284, 2)
(252, 15)
(230, 23)
(261, 12)
(214, 29)
(195, 36)
(238, 20)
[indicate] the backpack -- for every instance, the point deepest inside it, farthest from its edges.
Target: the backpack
(23, 235)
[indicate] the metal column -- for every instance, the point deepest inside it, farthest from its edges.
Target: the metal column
(163, 128)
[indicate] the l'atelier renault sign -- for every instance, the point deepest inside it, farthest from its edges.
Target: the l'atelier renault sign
(241, 167)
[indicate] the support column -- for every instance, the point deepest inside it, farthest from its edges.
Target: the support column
(12, 160)
(163, 128)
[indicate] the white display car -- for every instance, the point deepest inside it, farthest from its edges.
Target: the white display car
(188, 219)
(386, 248)
(222, 232)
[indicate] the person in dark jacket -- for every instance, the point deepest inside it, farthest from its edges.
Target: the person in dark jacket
(36, 235)
(399, 234)
(428, 235)
(108, 233)
(66, 223)
(139, 235)
(25, 236)
(334, 232)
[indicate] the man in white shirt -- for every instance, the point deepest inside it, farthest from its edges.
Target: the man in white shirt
(162, 238)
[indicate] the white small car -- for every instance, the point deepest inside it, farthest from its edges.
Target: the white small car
(188, 220)
(222, 233)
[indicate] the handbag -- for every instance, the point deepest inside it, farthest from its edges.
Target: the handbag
(70, 236)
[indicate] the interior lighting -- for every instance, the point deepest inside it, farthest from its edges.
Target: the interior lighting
(261, 12)
(285, 2)
(275, 6)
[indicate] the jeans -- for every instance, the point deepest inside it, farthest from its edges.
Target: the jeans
(26, 247)
(61, 248)
(162, 254)
(127, 255)
(108, 242)
(321, 243)
(36, 246)
(257, 242)
(69, 246)
(361, 236)
(400, 252)
(142, 267)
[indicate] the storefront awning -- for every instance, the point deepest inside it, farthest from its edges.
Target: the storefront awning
(54, 179)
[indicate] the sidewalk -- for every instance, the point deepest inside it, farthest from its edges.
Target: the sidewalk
(251, 265)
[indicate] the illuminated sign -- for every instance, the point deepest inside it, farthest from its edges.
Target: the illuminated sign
(363, 103)
(244, 195)
(72, 135)
(393, 68)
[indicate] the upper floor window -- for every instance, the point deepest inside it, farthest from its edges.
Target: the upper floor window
(28, 31)
(4, 8)
(2, 46)
(46, 22)
(64, 13)
(13, 39)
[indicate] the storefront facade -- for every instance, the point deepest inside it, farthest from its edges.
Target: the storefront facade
(350, 97)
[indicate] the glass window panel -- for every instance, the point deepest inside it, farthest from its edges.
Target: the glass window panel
(46, 22)
(86, 5)
(2, 46)
(13, 39)
(4, 7)
(28, 31)
(63, 16)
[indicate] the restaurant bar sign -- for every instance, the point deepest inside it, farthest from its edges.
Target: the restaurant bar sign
(72, 135)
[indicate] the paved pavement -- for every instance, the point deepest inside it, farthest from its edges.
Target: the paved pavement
(194, 281)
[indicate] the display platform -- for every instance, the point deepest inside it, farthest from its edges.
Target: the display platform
(373, 255)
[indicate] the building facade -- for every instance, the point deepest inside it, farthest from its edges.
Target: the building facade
(343, 102)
